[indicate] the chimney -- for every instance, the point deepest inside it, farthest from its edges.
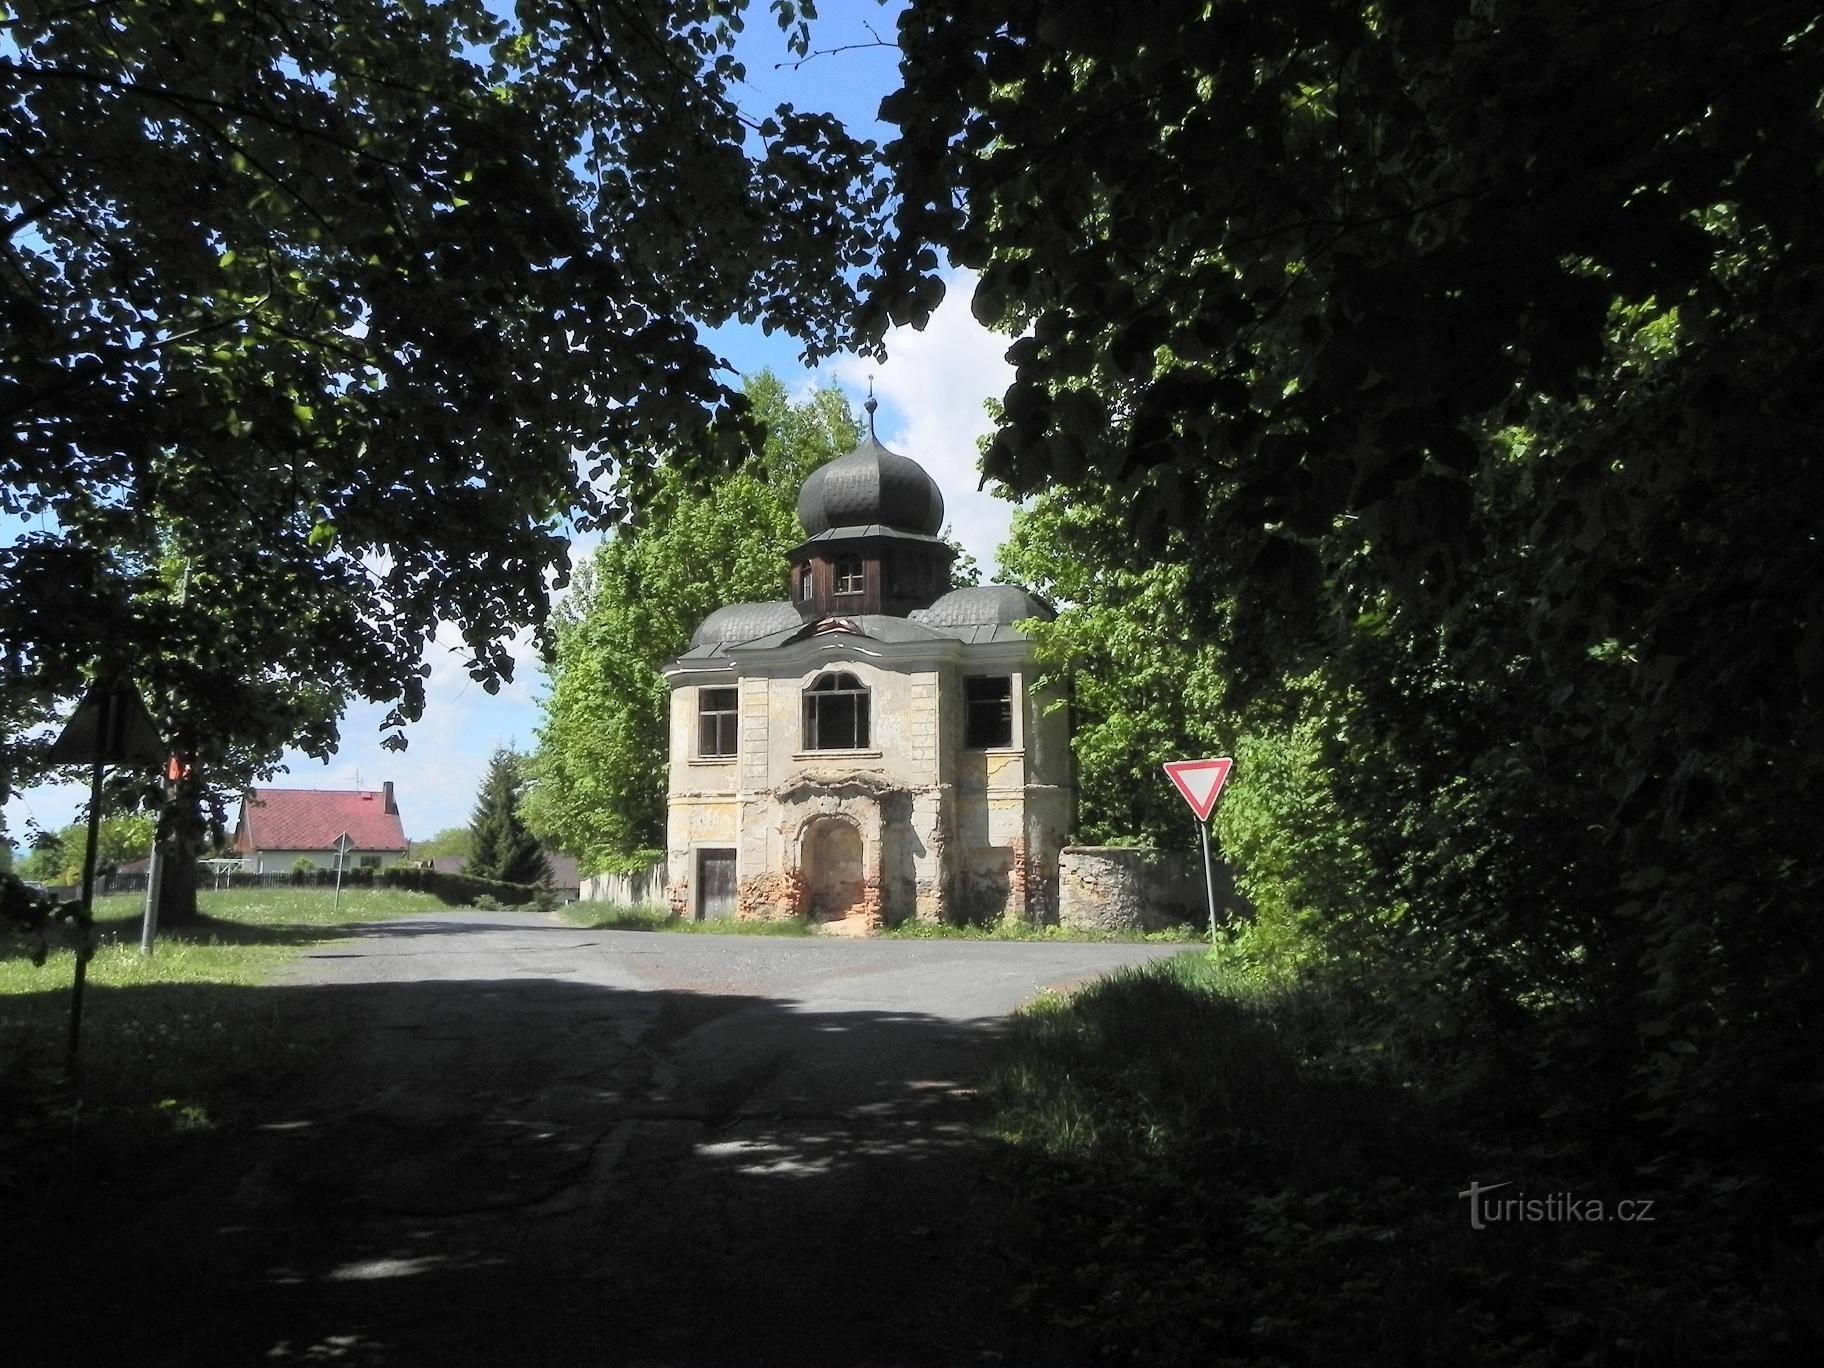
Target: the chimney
(392, 808)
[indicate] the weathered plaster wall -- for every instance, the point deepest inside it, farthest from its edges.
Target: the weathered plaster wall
(946, 833)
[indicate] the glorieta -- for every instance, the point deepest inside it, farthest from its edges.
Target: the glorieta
(876, 748)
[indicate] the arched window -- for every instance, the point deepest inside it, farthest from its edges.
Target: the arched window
(848, 576)
(836, 713)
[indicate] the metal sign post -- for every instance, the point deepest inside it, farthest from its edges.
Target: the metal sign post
(344, 844)
(1200, 783)
(110, 727)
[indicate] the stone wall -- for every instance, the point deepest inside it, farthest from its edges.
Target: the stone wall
(1118, 888)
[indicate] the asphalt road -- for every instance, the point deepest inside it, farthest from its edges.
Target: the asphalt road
(540, 1145)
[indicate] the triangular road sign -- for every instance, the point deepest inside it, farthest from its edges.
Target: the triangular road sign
(1200, 781)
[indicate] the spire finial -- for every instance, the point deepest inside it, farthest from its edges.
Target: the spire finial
(870, 406)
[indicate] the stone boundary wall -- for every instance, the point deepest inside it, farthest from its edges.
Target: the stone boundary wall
(1122, 888)
(642, 888)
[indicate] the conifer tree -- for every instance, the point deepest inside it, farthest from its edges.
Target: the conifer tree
(501, 846)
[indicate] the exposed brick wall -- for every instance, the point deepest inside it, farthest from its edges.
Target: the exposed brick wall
(776, 896)
(1019, 885)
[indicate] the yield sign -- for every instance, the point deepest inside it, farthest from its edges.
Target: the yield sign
(1200, 781)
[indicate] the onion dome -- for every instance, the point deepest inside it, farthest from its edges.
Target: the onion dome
(871, 486)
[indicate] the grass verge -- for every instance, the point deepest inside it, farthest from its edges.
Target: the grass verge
(617, 917)
(1223, 1174)
(165, 1049)
(1021, 931)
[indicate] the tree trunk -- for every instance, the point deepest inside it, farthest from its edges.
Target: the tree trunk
(182, 831)
(177, 887)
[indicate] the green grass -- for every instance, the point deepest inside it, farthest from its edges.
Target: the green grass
(1021, 931)
(242, 935)
(1227, 1173)
(170, 1042)
(617, 917)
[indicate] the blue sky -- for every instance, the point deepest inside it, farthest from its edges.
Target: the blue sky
(932, 389)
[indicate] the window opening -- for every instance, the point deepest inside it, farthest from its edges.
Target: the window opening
(988, 712)
(849, 578)
(718, 716)
(836, 713)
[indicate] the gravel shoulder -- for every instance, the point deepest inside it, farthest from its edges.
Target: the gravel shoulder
(525, 1142)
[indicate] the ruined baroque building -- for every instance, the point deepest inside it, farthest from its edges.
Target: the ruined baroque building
(875, 748)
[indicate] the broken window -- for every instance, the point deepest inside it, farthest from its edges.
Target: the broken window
(836, 713)
(988, 712)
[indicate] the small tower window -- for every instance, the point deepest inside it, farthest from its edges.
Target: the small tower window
(848, 576)
(836, 713)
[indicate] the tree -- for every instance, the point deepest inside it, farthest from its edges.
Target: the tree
(599, 769)
(1464, 358)
(314, 337)
(500, 845)
(452, 841)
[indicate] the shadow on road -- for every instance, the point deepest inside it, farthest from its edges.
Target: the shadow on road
(523, 1171)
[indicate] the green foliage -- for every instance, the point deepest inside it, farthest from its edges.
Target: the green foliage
(452, 841)
(303, 865)
(600, 766)
(1475, 452)
(1225, 1173)
(314, 338)
(121, 838)
(457, 890)
(1143, 688)
(502, 848)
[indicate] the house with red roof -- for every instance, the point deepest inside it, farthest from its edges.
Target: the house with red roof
(279, 827)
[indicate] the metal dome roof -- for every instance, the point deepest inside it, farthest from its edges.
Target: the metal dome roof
(983, 605)
(871, 485)
(744, 622)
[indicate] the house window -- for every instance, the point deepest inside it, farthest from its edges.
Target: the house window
(849, 578)
(370, 862)
(804, 584)
(836, 713)
(718, 715)
(988, 712)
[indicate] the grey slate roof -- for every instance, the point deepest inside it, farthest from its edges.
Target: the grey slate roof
(977, 614)
(982, 605)
(871, 485)
(745, 621)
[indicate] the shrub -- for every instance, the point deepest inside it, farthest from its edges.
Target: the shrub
(458, 890)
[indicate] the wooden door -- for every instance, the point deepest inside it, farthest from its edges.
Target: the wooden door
(715, 884)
